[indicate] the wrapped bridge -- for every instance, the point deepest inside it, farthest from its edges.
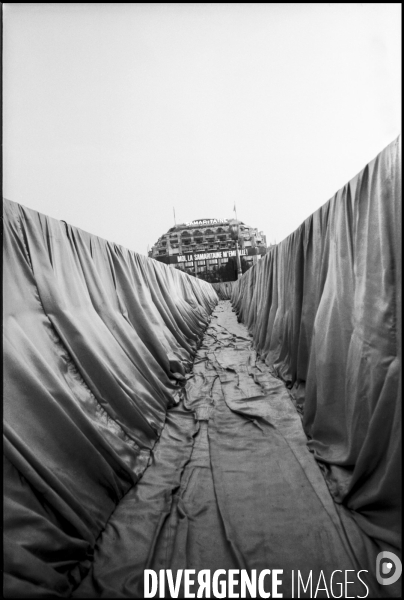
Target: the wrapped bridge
(153, 422)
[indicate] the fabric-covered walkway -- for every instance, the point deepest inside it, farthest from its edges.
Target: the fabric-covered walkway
(231, 485)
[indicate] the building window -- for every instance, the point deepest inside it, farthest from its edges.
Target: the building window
(198, 236)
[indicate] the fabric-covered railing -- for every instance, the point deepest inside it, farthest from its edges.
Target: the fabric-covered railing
(96, 339)
(324, 309)
(224, 289)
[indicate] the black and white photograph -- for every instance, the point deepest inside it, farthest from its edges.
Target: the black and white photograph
(201, 300)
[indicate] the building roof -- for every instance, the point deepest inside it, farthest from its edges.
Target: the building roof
(204, 223)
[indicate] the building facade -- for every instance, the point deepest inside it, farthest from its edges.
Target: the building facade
(204, 248)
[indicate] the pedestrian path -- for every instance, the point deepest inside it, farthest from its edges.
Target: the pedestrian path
(231, 484)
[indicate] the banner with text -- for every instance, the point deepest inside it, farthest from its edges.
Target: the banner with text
(209, 255)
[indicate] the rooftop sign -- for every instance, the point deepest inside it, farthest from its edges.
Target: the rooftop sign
(206, 222)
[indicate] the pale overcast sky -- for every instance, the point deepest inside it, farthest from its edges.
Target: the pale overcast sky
(115, 113)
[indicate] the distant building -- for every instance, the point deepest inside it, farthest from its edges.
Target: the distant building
(204, 248)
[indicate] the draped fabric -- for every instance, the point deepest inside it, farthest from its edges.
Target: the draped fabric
(232, 486)
(224, 289)
(118, 458)
(324, 309)
(96, 340)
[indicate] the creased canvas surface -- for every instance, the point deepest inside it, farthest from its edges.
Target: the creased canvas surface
(118, 458)
(232, 485)
(96, 339)
(224, 289)
(324, 309)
